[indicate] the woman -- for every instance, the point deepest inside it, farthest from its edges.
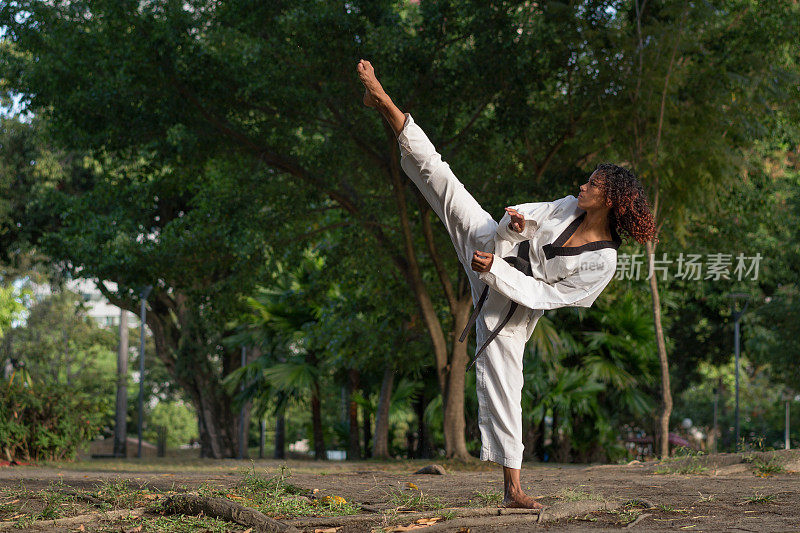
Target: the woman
(540, 256)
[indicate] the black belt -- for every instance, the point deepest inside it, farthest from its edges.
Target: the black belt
(522, 263)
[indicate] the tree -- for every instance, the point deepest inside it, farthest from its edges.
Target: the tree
(706, 82)
(593, 383)
(230, 105)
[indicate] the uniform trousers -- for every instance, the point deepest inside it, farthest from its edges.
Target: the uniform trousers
(499, 368)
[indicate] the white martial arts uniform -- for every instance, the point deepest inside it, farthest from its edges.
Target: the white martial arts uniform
(571, 276)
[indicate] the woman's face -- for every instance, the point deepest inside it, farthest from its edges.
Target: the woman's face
(593, 194)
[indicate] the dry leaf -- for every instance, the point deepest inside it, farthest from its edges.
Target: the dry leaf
(411, 486)
(328, 530)
(136, 529)
(335, 500)
(428, 520)
(248, 530)
(81, 528)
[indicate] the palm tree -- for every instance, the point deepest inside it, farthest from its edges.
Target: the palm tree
(290, 364)
(594, 384)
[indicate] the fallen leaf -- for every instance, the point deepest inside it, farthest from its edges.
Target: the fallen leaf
(428, 520)
(328, 530)
(136, 529)
(81, 528)
(248, 530)
(335, 500)
(411, 486)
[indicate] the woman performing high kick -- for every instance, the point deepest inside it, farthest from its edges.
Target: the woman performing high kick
(540, 256)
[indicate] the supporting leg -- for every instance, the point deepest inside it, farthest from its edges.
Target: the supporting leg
(513, 495)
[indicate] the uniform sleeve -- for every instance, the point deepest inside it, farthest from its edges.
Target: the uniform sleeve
(535, 214)
(579, 289)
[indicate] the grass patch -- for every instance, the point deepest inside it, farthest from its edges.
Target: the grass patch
(487, 498)
(448, 515)
(764, 468)
(276, 497)
(669, 509)
(624, 516)
(122, 494)
(757, 497)
(180, 524)
(414, 501)
(703, 499)
(683, 465)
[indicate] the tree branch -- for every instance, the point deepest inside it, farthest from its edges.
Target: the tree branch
(447, 285)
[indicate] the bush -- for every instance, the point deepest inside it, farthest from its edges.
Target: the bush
(46, 422)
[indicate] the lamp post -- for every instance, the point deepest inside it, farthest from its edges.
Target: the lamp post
(143, 318)
(120, 426)
(787, 397)
(737, 317)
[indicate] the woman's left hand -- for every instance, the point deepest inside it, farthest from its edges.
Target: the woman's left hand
(481, 261)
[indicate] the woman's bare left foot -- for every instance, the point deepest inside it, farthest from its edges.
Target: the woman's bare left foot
(373, 92)
(521, 501)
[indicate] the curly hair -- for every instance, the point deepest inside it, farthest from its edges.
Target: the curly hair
(630, 213)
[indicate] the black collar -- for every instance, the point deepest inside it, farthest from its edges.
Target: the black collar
(557, 247)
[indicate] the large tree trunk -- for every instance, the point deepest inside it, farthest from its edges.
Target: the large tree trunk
(184, 355)
(662, 423)
(280, 435)
(353, 447)
(381, 447)
(316, 412)
(316, 422)
(450, 364)
(366, 420)
(423, 450)
(453, 399)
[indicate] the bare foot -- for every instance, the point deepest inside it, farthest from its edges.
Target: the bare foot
(520, 501)
(374, 92)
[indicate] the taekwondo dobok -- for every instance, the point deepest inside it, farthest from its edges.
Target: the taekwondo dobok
(552, 276)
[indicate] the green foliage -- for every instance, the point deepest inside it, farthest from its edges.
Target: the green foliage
(47, 422)
(11, 306)
(274, 496)
(759, 498)
(594, 387)
(60, 344)
(179, 419)
(196, 148)
(414, 500)
(765, 468)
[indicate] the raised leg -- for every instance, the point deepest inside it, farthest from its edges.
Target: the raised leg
(470, 227)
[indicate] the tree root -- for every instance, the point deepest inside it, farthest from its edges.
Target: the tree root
(192, 504)
(461, 512)
(110, 515)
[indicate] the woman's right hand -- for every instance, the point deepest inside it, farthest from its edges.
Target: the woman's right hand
(517, 221)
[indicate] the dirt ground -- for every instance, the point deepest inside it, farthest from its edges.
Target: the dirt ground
(753, 492)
